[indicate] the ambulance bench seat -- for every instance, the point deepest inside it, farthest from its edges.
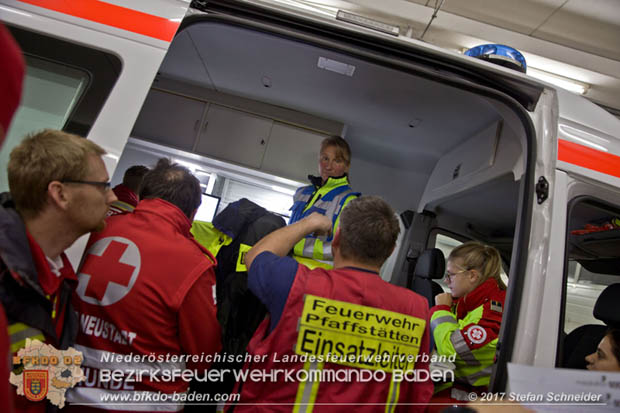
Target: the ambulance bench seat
(430, 266)
(584, 340)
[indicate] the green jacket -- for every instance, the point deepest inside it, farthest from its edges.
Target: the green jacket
(470, 331)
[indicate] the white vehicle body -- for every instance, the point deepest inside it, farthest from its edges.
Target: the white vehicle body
(531, 132)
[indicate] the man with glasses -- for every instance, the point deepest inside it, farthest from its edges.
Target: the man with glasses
(59, 191)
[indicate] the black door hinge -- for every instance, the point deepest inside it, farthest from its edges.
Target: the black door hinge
(542, 189)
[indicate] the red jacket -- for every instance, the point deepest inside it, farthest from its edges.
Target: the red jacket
(6, 390)
(126, 202)
(339, 312)
(146, 287)
(11, 79)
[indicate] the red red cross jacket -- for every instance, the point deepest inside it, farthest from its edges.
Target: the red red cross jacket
(146, 289)
(344, 312)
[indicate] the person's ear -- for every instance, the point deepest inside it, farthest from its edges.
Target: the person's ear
(336, 239)
(58, 194)
(474, 276)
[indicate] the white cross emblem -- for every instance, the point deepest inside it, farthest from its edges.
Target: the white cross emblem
(476, 334)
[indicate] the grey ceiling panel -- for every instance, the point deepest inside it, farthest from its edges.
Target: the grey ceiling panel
(182, 62)
(589, 25)
(377, 104)
(522, 16)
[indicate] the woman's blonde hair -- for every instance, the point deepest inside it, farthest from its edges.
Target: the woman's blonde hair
(342, 147)
(483, 258)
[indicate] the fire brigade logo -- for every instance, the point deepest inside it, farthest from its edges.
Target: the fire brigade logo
(476, 334)
(109, 270)
(35, 384)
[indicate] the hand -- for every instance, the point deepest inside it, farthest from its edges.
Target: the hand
(488, 406)
(321, 225)
(443, 299)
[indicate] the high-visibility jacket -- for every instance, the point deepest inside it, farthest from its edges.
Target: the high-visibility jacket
(470, 330)
(135, 279)
(345, 312)
(328, 199)
(209, 237)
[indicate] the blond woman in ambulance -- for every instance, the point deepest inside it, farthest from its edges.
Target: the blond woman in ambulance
(466, 322)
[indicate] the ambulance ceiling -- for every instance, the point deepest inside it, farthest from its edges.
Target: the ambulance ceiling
(384, 110)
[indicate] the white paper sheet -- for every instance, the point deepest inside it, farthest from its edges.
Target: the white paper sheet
(563, 390)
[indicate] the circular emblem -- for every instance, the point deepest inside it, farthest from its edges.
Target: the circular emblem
(108, 271)
(476, 334)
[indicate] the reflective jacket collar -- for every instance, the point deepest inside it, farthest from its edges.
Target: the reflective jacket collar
(331, 183)
(126, 195)
(476, 298)
(14, 248)
(167, 211)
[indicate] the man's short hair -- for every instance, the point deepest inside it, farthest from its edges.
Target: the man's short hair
(173, 183)
(43, 157)
(133, 177)
(368, 230)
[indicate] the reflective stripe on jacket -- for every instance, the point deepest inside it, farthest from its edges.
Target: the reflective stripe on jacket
(134, 279)
(328, 200)
(370, 311)
(470, 332)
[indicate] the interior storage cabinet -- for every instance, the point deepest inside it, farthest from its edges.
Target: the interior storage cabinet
(229, 134)
(170, 119)
(234, 136)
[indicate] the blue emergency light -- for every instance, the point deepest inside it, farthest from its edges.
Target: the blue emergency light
(499, 54)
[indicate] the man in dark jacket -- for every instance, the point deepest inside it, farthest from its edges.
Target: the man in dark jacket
(59, 191)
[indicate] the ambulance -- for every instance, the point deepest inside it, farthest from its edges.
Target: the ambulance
(243, 92)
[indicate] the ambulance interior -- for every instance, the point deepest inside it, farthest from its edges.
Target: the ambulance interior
(244, 104)
(246, 110)
(250, 108)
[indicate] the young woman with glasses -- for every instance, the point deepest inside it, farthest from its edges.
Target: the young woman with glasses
(465, 323)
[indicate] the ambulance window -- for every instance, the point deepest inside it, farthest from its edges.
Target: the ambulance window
(592, 263)
(50, 93)
(446, 244)
(274, 199)
(65, 88)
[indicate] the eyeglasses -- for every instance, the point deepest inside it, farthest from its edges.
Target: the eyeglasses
(450, 275)
(104, 185)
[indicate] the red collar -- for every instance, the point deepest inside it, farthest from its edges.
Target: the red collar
(167, 211)
(484, 292)
(124, 194)
(48, 279)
